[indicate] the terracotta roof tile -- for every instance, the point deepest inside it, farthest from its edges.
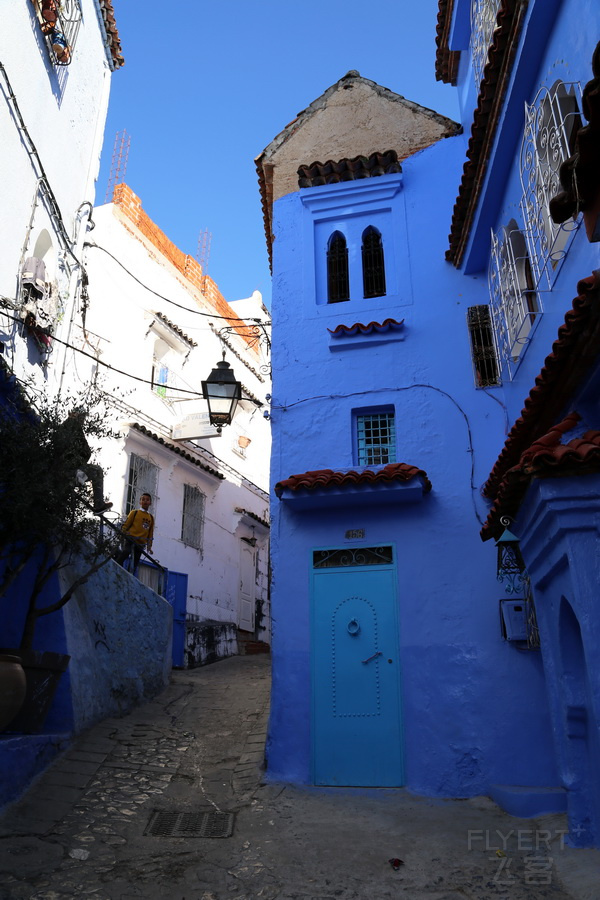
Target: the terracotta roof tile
(173, 327)
(331, 172)
(350, 330)
(446, 60)
(110, 26)
(178, 450)
(573, 353)
(328, 478)
(485, 121)
(545, 458)
(252, 515)
(580, 173)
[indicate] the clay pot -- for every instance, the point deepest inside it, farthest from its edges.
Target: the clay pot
(13, 685)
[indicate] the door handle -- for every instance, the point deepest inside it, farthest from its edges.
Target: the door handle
(375, 655)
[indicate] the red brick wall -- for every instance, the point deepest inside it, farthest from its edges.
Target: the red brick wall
(131, 206)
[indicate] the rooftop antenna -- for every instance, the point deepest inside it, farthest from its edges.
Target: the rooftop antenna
(203, 254)
(118, 166)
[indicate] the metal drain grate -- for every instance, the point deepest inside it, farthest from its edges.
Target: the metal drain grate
(207, 824)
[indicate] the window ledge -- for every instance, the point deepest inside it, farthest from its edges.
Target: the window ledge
(345, 337)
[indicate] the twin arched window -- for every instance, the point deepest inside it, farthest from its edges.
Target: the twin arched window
(373, 266)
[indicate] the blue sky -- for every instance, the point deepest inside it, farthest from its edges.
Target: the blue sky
(206, 86)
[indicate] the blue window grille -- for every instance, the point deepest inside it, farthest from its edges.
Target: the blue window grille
(376, 439)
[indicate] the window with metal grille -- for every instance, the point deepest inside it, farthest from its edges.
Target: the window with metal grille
(376, 439)
(551, 125)
(372, 262)
(338, 282)
(484, 14)
(59, 22)
(142, 479)
(515, 305)
(344, 557)
(483, 347)
(192, 519)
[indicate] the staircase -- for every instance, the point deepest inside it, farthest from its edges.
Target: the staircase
(247, 644)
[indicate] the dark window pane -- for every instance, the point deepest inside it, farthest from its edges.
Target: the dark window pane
(373, 265)
(338, 285)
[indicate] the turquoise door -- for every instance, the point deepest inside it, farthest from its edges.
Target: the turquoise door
(357, 731)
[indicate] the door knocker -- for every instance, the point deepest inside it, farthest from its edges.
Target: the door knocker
(353, 627)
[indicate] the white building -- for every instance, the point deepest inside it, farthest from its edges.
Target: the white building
(157, 327)
(57, 60)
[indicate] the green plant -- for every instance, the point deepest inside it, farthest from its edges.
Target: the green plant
(46, 520)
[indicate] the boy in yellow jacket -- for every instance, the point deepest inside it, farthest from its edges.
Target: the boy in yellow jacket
(139, 528)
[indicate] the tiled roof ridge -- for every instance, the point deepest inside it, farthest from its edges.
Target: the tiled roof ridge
(446, 60)
(346, 169)
(178, 450)
(485, 119)
(551, 439)
(545, 458)
(249, 395)
(327, 478)
(112, 34)
(577, 343)
(253, 515)
(178, 331)
(580, 173)
(366, 329)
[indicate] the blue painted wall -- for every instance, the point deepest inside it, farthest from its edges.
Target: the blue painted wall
(467, 697)
(560, 524)
(559, 521)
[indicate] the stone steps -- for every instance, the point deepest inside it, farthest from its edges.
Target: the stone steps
(247, 644)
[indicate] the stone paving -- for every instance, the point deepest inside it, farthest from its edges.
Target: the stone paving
(199, 746)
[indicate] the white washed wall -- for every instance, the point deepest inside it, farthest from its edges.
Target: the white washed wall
(120, 325)
(64, 111)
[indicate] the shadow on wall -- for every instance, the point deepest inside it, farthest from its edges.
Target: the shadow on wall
(119, 634)
(208, 641)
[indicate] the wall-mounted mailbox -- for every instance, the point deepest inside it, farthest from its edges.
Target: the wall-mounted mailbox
(513, 617)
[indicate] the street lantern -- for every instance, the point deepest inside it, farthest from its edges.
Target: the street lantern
(222, 393)
(510, 567)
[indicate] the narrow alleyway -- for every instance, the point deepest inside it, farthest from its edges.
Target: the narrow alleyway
(83, 830)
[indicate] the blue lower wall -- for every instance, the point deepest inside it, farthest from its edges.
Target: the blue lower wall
(559, 526)
(474, 708)
(118, 634)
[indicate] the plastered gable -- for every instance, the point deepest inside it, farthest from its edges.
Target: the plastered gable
(354, 117)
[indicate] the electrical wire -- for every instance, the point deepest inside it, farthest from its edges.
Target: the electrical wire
(409, 387)
(106, 365)
(197, 312)
(30, 388)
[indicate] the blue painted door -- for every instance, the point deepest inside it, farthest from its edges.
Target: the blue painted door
(357, 732)
(176, 593)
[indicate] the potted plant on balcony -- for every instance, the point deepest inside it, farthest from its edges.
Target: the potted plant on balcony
(46, 522)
